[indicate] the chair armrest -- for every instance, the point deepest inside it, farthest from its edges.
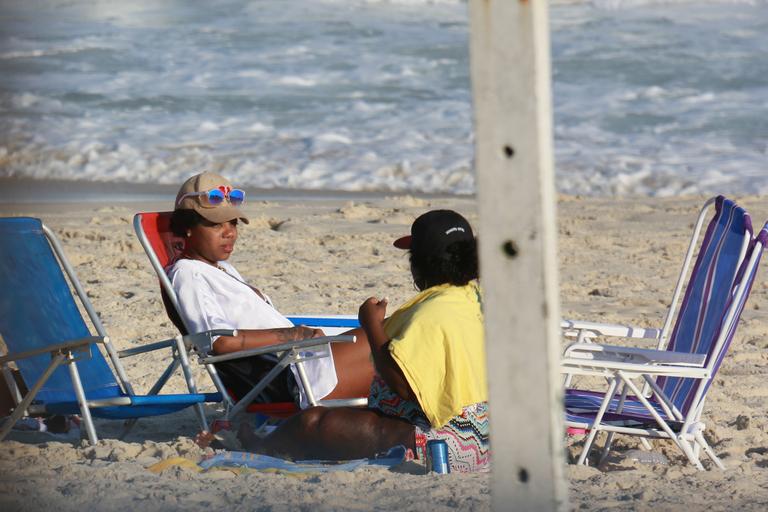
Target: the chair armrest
(331, 325)
(575, 328)
(598, 368)
(189, 341)
(598, 352)
(54, 349)
(282, 347)
(149, 347)
(202, 340)
(606, 360)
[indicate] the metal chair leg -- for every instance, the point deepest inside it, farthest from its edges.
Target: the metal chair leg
(85, 412)
(21, 408)
(594, 429)
(199, 411)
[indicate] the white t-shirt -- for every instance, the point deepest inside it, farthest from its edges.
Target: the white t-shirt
(219, 298)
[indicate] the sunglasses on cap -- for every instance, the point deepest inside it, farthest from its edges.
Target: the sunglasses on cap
(216, 196)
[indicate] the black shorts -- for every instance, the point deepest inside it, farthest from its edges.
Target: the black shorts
(241, 375)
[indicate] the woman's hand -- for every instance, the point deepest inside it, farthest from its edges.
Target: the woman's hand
(371, 316)
(372, 312)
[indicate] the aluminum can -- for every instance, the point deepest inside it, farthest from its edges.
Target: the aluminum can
(437, 456)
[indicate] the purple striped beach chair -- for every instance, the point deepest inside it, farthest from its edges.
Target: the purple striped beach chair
(674, 381)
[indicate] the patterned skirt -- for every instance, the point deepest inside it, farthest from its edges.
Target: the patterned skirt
(466, 434)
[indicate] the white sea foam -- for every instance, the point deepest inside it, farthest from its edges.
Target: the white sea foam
(297, 81)
(649, 97)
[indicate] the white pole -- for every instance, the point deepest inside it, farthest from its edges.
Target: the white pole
(509, 48)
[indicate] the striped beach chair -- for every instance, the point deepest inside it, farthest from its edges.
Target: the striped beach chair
(58, 357)
(676, 376)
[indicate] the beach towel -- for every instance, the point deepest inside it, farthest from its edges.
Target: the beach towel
(393, 457)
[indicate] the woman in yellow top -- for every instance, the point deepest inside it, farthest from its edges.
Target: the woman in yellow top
(429, 357)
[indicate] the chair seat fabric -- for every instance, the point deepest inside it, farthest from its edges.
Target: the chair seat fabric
(585, 420)
(581, 406)
(140, 406)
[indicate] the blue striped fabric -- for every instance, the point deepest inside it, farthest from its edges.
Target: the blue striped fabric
(37, 309)
(758, 245)
(708, 297)
(586, 402)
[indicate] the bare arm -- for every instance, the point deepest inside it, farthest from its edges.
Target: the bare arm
(371, 317)
(255, 338)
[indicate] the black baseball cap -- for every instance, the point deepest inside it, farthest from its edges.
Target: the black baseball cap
(436, 230)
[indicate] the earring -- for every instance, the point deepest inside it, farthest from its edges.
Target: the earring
(189, 234)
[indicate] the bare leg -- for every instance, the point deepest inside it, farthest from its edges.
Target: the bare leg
(354, 367)
(332, 434)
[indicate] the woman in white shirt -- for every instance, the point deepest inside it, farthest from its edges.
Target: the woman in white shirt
(213, 295)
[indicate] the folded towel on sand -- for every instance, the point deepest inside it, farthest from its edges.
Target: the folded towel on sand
(393, 457)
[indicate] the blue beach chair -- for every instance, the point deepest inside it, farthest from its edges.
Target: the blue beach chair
(58, 356)
(676, 376)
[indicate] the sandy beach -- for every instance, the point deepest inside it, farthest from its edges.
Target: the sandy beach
(619, 259)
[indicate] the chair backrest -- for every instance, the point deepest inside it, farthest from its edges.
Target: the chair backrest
(704, 313)
(37, 310)
(746, 278)
(163, 248)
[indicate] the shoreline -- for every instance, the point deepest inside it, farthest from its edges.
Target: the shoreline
(26, 191)
(31, 191)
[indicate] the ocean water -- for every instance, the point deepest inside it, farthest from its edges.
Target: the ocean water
(650, 98)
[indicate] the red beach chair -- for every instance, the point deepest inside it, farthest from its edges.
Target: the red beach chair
(163, 248)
